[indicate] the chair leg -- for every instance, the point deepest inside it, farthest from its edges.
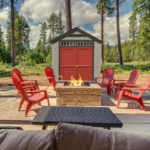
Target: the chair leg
(21, 103)
(54, 84)
(18, 94)
(48, 85)
(48, 101)
(119, 99)
(108, 88)
(116, 93)
(29, 105)
(39, 103)
(141, 103)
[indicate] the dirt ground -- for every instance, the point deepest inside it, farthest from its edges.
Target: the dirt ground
(42, 81)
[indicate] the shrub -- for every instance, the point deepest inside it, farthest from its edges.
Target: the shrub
(49, 59)
(143, 68)
(31, 62)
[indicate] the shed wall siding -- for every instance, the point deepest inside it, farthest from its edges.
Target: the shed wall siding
(76, 38)
(55, 58)
(97, 58)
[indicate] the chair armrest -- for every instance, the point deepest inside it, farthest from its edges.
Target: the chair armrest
(49, 77)
(136, 89)
(132, 85)
(24, 83)
(117, 80)
(95, 79)
(32, 80)
(60, 77)
(39, 91)
(29, 87)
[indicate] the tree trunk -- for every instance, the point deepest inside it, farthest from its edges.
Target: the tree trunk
(102, 30)
(12, 34)
(118, 32)
(68, 15)
(133, 40)
(53, 29)
(45, 49)
(19, 54)
(149, 13)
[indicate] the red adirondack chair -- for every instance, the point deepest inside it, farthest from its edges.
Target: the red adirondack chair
(132, 79)
(127, 92)
(23, 82)
(51, 77)
(35, 98)
(107, 77)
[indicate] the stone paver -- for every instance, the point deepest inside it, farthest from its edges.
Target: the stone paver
(130, 113)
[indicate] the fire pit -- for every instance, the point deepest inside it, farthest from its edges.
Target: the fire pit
(84, 94)
(83, 84)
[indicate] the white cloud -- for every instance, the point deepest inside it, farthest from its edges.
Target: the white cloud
(83, 13)
(39, 11)
(110, 33)
(4, 16)
(35, 34)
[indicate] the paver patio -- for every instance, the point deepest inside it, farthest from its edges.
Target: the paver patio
(130, 113)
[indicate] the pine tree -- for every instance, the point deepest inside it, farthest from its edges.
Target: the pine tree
(133, 30)
(104, 7)
(3, 3)
(142, 8)
(59, 25)
(118, 3)
(1, 49)
(43, 37)
(1, 34)
(52, 23)
(21, 36)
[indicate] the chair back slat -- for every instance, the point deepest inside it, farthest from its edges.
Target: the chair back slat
(18, 73)
(133, 76)
(17, 84)
(50, 73)
(107, 73)
(145, 87)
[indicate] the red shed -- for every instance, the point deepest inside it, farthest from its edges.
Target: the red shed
(76, 53)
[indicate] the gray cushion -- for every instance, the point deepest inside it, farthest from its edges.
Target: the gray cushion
(77, 137)
(26, 140)
(130, 141)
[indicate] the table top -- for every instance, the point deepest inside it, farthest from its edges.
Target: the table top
(91, 116)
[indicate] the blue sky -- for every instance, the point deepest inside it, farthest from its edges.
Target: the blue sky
(84, 15)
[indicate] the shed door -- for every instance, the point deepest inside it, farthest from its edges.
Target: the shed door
(75, 61)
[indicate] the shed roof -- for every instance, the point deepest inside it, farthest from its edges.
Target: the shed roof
(83, 33)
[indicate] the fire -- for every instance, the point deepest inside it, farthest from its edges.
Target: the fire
(76, 82)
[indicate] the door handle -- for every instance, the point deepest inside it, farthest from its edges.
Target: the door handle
(77, 65)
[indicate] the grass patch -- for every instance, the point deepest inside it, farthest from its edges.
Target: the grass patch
(144, 68)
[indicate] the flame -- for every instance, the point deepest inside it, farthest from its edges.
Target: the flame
(76, 82)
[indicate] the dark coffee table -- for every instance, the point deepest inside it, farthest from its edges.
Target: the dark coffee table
(90, 116)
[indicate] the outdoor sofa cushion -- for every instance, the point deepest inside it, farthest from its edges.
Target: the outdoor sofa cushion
(27, 140)
(77, 137)
(130, 141)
